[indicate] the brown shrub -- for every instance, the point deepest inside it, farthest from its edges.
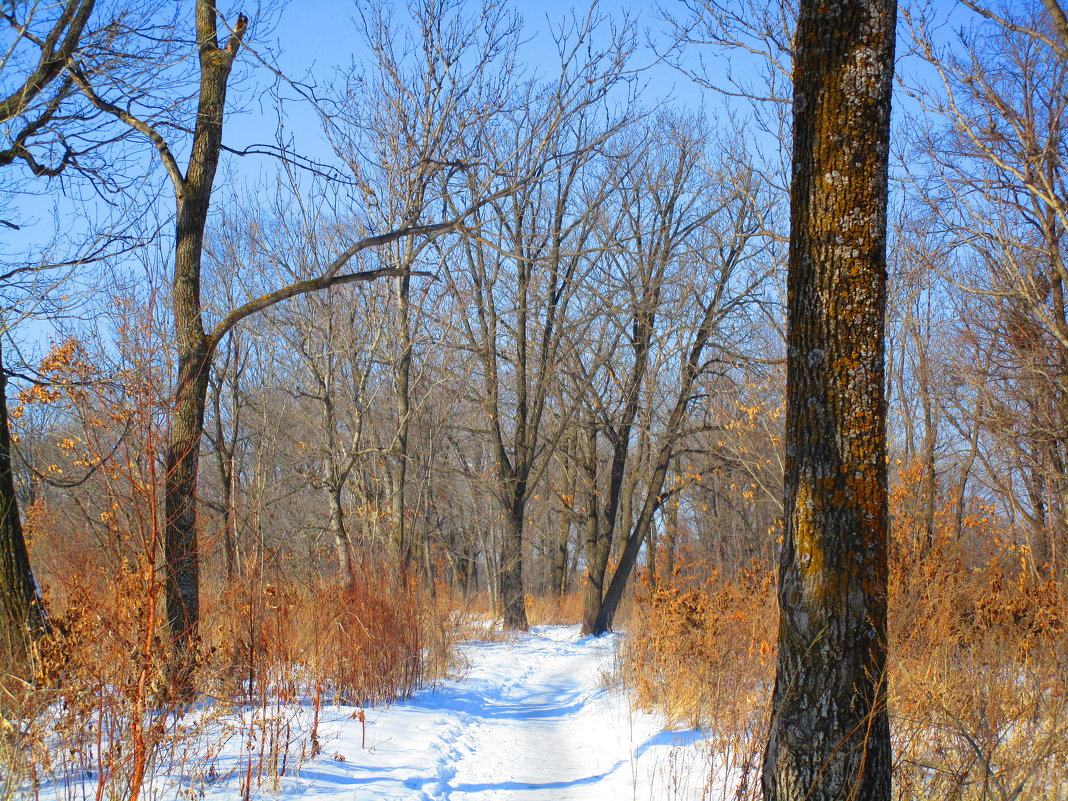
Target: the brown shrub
(979, 673)
(702, 653)
(372, 640)
(978, 684)
(553, 610)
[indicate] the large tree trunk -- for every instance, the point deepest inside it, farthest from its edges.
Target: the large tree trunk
(193, 197)
(22, 617)
(830, 733)
(513, 601)
(183, 451)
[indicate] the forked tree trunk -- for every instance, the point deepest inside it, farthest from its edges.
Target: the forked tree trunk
(340, 535)
(830, 733)
(636, 534)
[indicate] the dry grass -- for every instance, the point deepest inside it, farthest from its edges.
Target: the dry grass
(372, 640)
(552, 610)
(701, 653)
(101, 722)
(979, 681)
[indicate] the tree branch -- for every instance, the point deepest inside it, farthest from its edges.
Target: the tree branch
(73, 19)
(142, 127)
(325, 281)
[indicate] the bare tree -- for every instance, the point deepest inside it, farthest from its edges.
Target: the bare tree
(195, 345)
(991, 179)
(441, 73)
(687, 232)
(192, 190)
(523, 270)
(337, 342)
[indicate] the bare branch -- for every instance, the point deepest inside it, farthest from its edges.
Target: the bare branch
(54, 55)
(326, 281)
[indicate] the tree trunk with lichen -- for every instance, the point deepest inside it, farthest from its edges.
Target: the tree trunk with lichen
(830, 735)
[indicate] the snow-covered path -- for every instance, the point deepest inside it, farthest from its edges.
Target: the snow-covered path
(530, 720)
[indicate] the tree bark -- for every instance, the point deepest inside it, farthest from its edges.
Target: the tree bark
(597, 541)
(966, 470)
(671, 534)
(929, 479)
(402, 370)
(513, 601)
(22, 617)
(558, 573)
(830, 733)
(193, 196)
(1040, 523)
(226, 434)
(340, 535)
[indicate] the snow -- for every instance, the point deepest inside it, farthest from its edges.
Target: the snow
(537, 716)
(531, 719)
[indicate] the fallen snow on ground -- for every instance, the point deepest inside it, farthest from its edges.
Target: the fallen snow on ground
(530, 719)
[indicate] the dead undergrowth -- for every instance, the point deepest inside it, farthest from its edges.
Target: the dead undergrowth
(978, 685)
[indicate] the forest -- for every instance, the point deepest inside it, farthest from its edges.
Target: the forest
(337, 336)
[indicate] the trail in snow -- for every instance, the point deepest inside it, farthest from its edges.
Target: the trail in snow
(530, 720)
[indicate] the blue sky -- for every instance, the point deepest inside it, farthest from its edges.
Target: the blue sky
(319, 36)
(307, 36)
